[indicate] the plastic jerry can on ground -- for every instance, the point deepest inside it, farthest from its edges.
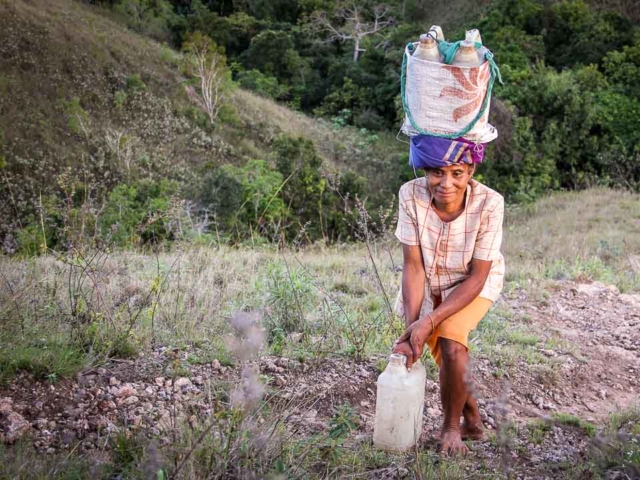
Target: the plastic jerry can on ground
(399, 405)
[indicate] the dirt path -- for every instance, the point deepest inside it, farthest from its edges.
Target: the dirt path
(586, 363)
(595, 361)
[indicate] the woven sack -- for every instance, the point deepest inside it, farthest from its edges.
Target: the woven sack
(447, 100)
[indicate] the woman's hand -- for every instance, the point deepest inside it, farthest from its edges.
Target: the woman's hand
(403, 348)
(416, 335)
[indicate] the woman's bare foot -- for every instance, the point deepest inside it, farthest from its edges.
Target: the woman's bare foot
(471, 431)
(452, 443)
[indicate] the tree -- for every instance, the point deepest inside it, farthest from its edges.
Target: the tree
(206, 63)
(299, 164)
(155, 18)
(274, 54)
(354, 23)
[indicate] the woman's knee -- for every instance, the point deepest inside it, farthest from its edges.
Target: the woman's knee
(451, 350)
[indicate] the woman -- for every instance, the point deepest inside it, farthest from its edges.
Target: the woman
(450, 227)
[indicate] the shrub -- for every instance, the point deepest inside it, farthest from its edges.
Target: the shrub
(77, 116)
(262, 84)
(273, 53)
(261, 185)
(120, 98)
(297, 161)
(154, 18)
(290, 295)
(135, 83)
(222, 193)
(370, 120)
(139, 213)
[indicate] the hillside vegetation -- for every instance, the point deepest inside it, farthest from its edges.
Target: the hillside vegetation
(94, 117)
(567, 114)
(180, 363)
(102, 139)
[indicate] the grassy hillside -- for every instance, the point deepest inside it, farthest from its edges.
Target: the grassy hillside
(87, 104)
(589, 234)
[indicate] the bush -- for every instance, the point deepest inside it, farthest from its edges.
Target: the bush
(370, 120)
(273, 53)
(135, 83)
(262, 84)
(290, 296)
(139, 213)
(77, 116)
(297, 161)
(154, 18)
(222, 194)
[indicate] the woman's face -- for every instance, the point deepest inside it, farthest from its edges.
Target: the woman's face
(447, 185)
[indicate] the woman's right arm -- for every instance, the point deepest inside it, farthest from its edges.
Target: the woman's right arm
(413, 282)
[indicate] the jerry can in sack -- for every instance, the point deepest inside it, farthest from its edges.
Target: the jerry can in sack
(449, 100)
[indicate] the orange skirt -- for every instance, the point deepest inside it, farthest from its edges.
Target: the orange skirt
(458, 325)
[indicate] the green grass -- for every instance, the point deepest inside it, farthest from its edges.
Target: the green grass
(629, 418)
(538, 431)
(574, 421)
(615, 453)
(46, 360)
(22, 462)
(520, 337)
(505, 343)
(208, 352)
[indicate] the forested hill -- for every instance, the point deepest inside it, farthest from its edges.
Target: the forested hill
(100, 141)
(105, 134)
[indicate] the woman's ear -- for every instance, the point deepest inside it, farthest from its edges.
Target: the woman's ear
(472, 169)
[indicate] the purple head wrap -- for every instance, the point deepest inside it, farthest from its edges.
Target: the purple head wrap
(434, 152)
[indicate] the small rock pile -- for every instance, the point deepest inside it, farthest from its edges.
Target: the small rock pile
(12, 424)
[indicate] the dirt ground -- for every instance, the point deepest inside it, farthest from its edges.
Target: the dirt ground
(589, 369)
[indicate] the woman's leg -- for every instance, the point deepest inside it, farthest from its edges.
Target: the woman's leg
(472, 427)
(454, 394)
(448, 346)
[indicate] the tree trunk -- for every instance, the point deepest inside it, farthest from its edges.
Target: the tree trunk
(356, 49)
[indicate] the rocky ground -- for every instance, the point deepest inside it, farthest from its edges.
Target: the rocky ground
(590, 351)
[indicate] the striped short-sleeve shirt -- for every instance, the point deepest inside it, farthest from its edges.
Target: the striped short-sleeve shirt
(449, 247)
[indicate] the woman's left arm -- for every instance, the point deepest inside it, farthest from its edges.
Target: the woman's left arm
(465, 293)
(486, 249)
(418, 332)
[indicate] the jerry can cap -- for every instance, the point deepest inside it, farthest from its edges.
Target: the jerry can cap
(397, 359)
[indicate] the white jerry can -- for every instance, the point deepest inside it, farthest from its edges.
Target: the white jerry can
(399, 405)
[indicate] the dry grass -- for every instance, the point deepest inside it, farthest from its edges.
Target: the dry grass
(121, 303)
(589, 235)
(342, 148)
(84, 306)
(132, 300)
(51, 38)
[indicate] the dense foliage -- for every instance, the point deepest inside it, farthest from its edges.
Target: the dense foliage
(568, 114)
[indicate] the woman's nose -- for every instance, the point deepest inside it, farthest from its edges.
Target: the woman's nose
(445, 181)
